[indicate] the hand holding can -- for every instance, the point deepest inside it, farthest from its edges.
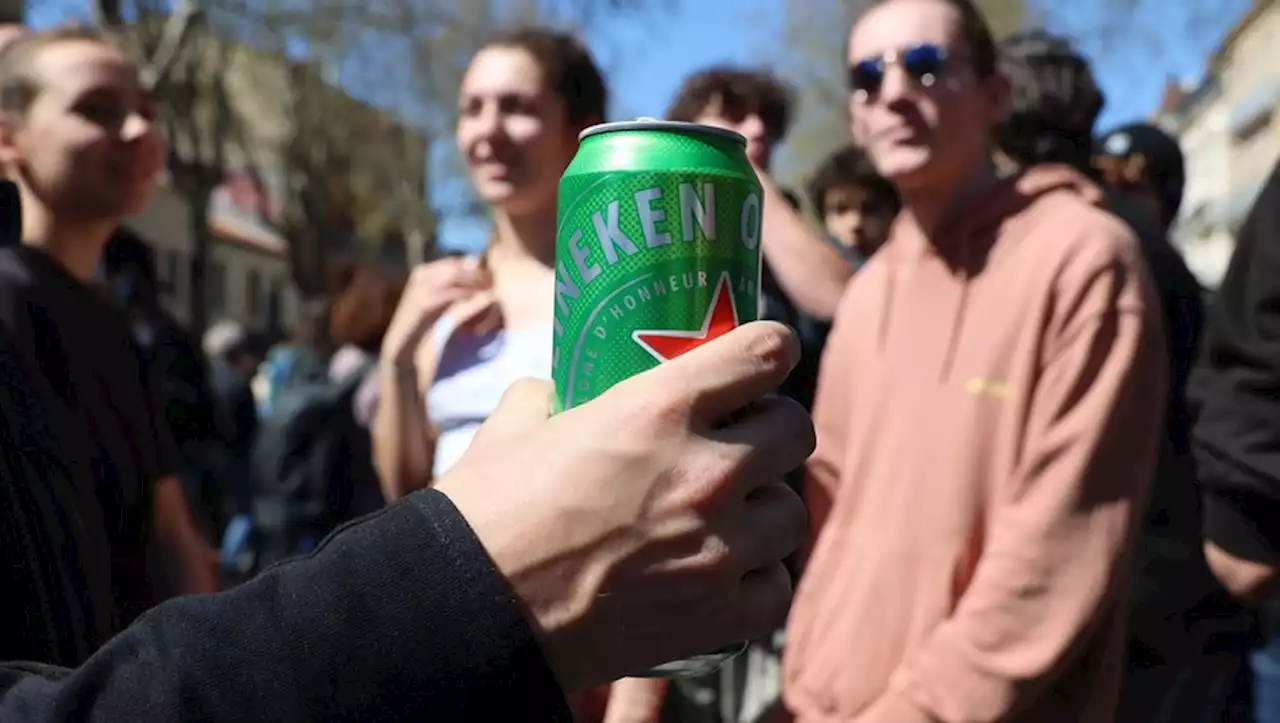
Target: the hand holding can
(657, 253)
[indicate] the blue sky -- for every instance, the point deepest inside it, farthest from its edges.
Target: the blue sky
(648, 56)
(698, 33)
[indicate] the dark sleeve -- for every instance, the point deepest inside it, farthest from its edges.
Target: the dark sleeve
(166, 457)
(1235, 390)
(244, 416)
(400, 616)
(189, 403)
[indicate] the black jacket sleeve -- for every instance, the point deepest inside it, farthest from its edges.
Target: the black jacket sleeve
(1235, 390)
(399, 616)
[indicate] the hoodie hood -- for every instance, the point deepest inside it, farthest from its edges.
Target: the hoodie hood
(963, 245)
(986, 213)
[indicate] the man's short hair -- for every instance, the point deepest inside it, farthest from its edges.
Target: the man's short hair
(1055, 101)
(740, 91)
(848, 167)
(18, 83)
(974, 31)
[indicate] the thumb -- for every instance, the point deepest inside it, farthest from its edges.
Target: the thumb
(525, 405)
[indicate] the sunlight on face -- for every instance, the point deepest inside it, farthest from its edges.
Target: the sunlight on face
(512, 131)
(917, 133)
(87, 146)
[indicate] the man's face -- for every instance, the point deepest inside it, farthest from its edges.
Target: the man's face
(760, 139)
(917, 107)
(856, 218)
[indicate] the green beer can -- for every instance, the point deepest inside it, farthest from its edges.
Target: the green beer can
(657, 251)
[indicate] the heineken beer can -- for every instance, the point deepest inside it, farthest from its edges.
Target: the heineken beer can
(657, 252)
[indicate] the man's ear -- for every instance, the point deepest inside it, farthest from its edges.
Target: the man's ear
(1000, 95)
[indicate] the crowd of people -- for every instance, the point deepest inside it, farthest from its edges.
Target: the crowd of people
(992, 455)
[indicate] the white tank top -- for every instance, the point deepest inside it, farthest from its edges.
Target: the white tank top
(474, 370)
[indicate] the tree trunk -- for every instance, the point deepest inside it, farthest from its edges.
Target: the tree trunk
(12, 11)
(201, 242)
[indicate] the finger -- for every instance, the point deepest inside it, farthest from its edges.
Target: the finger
(427, 317)
(764, 598)
(433, 276)
(765, 442)
(525, 405)
(477, 312)
(725, 374)
(770, 526)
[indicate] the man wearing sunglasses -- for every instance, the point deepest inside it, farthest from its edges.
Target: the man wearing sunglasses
(988, 409)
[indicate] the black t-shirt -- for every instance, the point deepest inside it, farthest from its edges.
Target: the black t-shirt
(54, 553)
(73, 337)
(812, 332)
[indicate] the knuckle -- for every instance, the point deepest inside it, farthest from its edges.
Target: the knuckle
(778, 592)
(796, 423)
(773, 346)
(526, 389)
(718, 558)
(661, 409)
(720, 469)
(768, 594)
(794, 519)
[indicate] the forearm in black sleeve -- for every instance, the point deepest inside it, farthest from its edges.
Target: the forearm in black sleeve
(1235, 390)
(400, 616)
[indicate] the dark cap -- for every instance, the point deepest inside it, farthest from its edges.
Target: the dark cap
(1142, 154)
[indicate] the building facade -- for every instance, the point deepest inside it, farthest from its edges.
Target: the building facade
(1230, 135)
(248, 276)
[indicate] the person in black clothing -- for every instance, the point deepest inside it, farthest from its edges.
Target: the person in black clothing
(172, 358)
(1236, 392)
(54, 562)
(477, 600)
(1186, 636)
(232, 364)
(76, 136)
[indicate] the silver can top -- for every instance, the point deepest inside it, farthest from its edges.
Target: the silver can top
(654, 124)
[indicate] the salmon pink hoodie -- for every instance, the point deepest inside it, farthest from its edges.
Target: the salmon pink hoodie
(988, 409)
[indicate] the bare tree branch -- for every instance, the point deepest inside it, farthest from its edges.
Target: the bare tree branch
(177, 29)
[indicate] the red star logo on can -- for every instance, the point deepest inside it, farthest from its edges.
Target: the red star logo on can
(722, 316)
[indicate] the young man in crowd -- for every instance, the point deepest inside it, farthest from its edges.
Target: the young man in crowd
(77, 136)
(1187, 638)
(988, 412)
(855, 204)
(802, 279)
(758, 105)
(803, 276)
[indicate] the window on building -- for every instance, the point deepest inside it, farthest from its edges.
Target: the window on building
(215, 286)
(171, 272)
(275, 305)
(255, 294)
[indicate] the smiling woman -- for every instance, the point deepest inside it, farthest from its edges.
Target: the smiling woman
(467, 328)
